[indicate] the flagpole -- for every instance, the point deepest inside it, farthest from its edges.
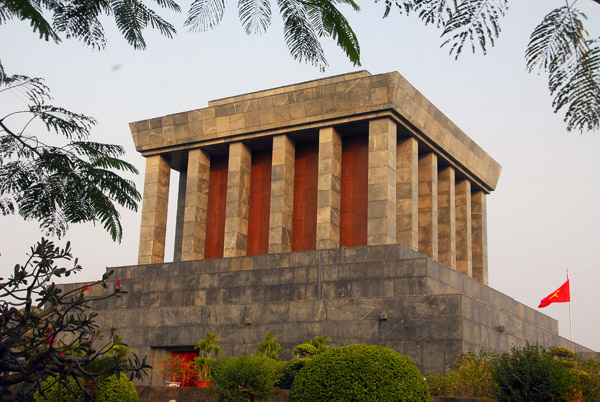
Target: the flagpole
(570, 310)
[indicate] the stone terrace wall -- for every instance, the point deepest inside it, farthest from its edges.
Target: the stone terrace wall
(388, 295)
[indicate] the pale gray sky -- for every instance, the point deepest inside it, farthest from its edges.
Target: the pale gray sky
(542, 219)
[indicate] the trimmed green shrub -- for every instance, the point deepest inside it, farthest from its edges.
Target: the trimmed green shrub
(290, 372)
(109, 390)
(531, 374)
(359, 373)
(305, 350)
(117, 389)
(245, 378)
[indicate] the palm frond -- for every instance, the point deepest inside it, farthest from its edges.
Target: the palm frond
(79, 20)
(255, 15)
(578, 90)
(474, 22)
(559, 47)
(555, 39)
(33, 89)
(434, 12)
(132, 16)
(403, 6)
(28, 10)
(300, 36)
(336, 25)
(205, 15)
(169, 4)
(64, 122)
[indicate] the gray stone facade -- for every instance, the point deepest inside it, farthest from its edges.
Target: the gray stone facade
(418, 281)
(388, 295)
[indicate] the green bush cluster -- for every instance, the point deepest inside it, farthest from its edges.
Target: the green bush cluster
(526, 374)
(471, 379)
(245, 378)
(290, 372)
(359, 373)
(110, 389)
(531, 374)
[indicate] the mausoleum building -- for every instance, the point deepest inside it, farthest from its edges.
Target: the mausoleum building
(349, 206)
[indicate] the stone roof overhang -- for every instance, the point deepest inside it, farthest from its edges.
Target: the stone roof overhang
(336, 100)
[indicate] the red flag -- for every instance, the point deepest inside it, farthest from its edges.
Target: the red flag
(560, 295)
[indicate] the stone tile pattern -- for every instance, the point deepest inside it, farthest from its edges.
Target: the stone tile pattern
(339, 99)
(196, 205)
(238, 200)
(464, 253)
(447, 217)
(428, 205)
(282, 195)
(479, 228)
(154, 210)
(433, 312)
(329, 189)
(407, 192)
(381, 214)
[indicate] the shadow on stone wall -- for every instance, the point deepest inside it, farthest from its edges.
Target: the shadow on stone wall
(173, 394)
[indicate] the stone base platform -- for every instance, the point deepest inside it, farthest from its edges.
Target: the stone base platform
(387, 295)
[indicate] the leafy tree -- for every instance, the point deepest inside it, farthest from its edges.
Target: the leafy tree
(205, 347)
(245, 378)
(58, 184)
(559, 46)
(531, 374)
(320, 343)
(269, 347)
(80, 19)
(47, 332)
(472, 378)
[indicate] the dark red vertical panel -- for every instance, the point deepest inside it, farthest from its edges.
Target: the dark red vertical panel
(189, 378)
(217, 199)
(260, 203)
(354, 201)
(306, 174)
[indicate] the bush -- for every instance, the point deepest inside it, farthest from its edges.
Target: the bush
(471, 379)
(245, 378)
(109, 390)
(290, 372)
(531, 374)
(359, 373)
(589, 379)
(117, 389)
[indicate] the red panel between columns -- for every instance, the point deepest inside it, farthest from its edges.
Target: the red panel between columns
(217, 198)
(306, 174)
(354, 202)
(260, 203)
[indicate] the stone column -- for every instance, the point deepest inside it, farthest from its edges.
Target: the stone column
(479, 222)
(329, 189)
(381, 214)
(238, 199)
(180, 214)
(196, 204)
(428, 206)
(282, 195)
(154, 210)
(407, 192)
(464, 258)
(446, 217)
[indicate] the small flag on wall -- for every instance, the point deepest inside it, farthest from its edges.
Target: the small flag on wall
(560, 295)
